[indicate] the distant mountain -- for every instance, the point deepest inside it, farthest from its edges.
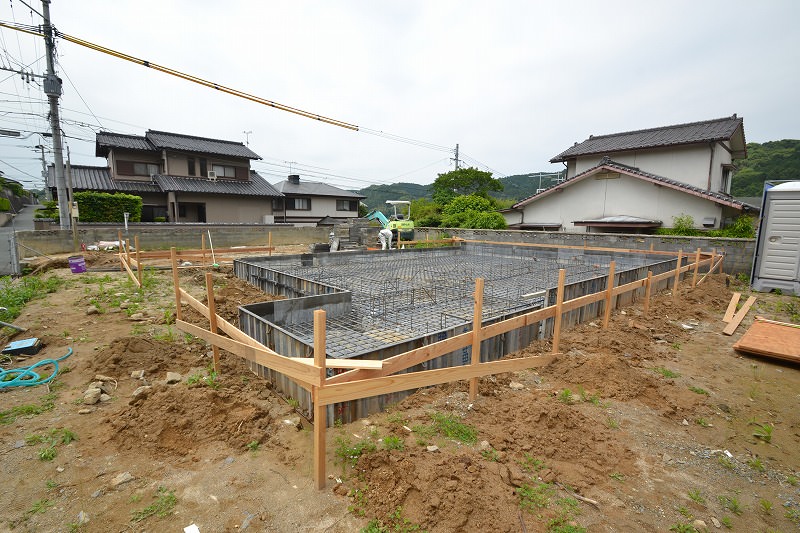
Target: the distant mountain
(515, 187)
(773, 160)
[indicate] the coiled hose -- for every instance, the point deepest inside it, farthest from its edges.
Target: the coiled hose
(26, 377)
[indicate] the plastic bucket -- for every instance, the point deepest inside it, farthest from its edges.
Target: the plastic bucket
(76, 264)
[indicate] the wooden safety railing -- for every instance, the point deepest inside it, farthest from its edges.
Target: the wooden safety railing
(365, 378)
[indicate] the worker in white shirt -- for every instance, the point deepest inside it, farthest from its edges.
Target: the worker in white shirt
(385, 236)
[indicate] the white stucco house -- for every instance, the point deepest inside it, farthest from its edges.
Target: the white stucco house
(637, 181)
(311, 203)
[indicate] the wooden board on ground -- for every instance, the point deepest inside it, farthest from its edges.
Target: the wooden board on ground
(732, 307)
(739, 316)
(768, 339)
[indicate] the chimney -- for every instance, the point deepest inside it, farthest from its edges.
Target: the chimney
(294, 179)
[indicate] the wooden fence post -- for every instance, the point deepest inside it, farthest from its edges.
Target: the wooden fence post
(119, 249)
(609, 290)
(174, 257)
(559, 305)
(203, 247)
(320, 411)
(696, 268)
(477, 324)
(648, 287)
(128, 252)
(138, 260)
(269, 242)
(212, 316)
(677, 275)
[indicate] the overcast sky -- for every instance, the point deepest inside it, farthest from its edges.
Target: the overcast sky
(514, 83)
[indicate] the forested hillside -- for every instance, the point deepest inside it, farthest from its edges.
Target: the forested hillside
(516, 187)
(773, 160)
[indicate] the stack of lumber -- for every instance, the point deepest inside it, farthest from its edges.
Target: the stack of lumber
(769, 338)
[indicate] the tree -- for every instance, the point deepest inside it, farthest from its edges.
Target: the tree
(425, 213)
(464, 182)
(472, 212)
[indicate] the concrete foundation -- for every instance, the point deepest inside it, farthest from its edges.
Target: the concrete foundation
(381, 304)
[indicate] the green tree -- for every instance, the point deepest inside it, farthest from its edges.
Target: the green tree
(472, 211)
(426, 213)
(464, 182)
(773, 160)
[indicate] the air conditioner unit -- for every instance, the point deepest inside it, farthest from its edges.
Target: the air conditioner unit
(212, 176)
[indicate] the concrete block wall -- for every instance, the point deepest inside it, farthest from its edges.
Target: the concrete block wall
(164, 236)
(738, 252)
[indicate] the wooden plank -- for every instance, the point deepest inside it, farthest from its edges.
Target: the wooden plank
(138, 259)
(212, 317)
(677, 276)
(559, 312)
(342, 392)
(349, 364)
(609, 293)
(176, 284)
(303, 374)
(406, 360)
(477, 323)
(320, 413)
(628, 287)
(573, 247)
(787, 324)
(131, 275)
(711, 270)
(769, 339)
(648, 288)
(696, 268)
(732, 307)
(498, 328)
(739, 316)
(575, 303)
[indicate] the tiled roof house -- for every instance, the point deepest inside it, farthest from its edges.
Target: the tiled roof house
(639, 180)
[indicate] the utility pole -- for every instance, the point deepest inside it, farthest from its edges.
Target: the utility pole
(52, 88)
(456, 156)
(44, 173)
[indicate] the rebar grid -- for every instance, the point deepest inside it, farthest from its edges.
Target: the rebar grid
(400, 297)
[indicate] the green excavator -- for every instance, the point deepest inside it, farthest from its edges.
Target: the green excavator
(399, 222)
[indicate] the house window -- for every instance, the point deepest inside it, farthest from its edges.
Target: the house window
(132, 168)
(181, 210)
(190, 166)
(298, 204)
(725, 181)
(203, 167)
(277, 204)
(224, 171)
(346, 205)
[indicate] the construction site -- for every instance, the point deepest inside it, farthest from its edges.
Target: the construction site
(379, 305)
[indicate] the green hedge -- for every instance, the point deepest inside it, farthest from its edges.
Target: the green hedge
(5, 204)
(105, 207)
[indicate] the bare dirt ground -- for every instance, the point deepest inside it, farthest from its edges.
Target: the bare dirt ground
(646, 426)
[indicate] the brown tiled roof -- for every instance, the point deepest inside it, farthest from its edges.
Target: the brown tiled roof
(155, 141)
(720, 129)
(99, 179)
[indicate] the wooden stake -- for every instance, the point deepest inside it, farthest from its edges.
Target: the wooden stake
(609, 291)
(119, 249)
(203, 247)
(648, 287)
(138, 260)
(696, 268)
(320, 411)
(174, 256)
(559, 305)
(128, 252)
(212, 316)
(477, 324)
(677, 275)
(269, 242)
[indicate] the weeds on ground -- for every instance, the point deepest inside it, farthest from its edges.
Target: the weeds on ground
(53, 438)
(46, 404)
(565, 396)
(686, 512)
(726, 462)
(394, 522)
(702, 422)
(535, 496)
(348, 452)
(792, 480)
(756, 464)
(163, 506)
(14, 294)
(253, 446)
(698, 390)
(359, 497)
(612, 423)
(666, 372)
(293, 403)
(697, 497)
(731, 503)
(393, 442)
(166, 335)
(211, 379)
(490, 454)
(448, 426)
(764, 432)
(727, 522)
(765, 506)
(793, 515)
(682, 527)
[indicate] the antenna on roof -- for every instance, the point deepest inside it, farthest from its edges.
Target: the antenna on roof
(247, 137)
